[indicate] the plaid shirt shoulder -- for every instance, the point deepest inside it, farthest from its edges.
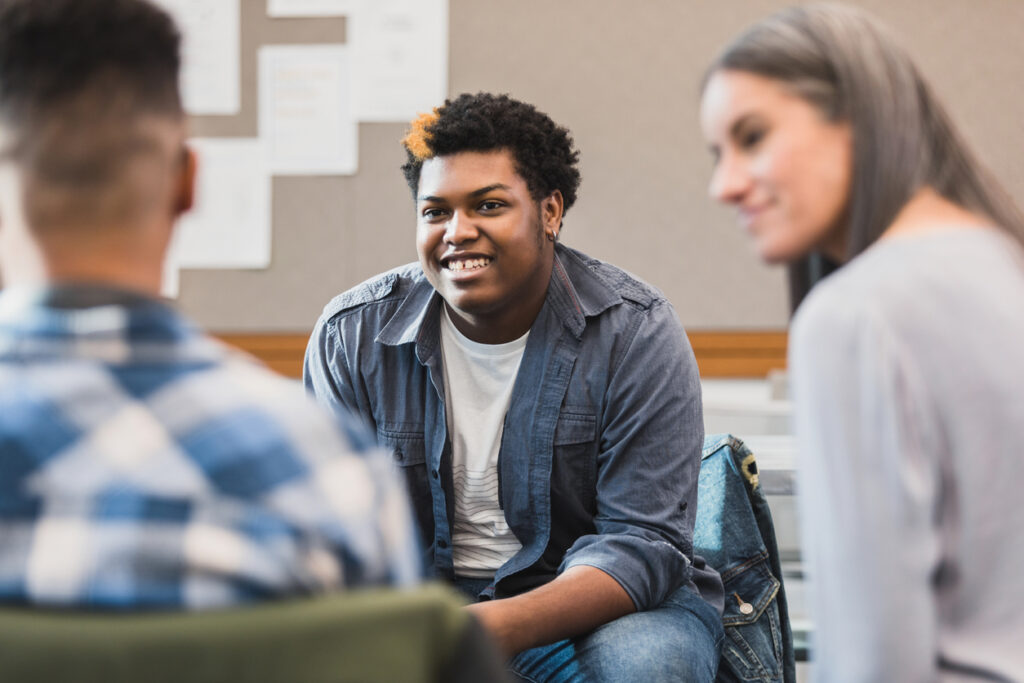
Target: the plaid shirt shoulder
(143, 464)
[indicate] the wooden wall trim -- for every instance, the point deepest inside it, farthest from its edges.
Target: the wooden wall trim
(739, 354)
(281, 352)
(720, 354)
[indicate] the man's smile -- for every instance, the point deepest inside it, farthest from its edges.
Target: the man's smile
(465, 263)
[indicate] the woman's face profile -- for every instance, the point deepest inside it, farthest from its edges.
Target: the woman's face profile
(780, 162)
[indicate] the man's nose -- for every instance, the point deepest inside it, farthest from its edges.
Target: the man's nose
(459, 228)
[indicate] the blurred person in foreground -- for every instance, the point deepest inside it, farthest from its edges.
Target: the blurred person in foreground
(544, 405)
(907, 363)
(142, 464)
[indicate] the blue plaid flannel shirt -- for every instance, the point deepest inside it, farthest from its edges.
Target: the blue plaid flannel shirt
(145, 465)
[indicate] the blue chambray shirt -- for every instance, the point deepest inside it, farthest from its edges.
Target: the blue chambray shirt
(145, 465)
(602, 440)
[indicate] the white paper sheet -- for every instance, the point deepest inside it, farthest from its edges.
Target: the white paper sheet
(229, 224)
(309, 8)
(171, 283)
(305, 117)
(210, 54)
(400, 57)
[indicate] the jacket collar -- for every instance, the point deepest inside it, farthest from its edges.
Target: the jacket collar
(576, 291)
(415, 317)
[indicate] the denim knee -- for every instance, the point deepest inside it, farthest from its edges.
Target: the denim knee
(680, 640)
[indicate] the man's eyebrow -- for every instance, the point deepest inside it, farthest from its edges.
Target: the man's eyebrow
(474, 193)
(489, 188)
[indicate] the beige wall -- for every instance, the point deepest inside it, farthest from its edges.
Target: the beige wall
(623, 76)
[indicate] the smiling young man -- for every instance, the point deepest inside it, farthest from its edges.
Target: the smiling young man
(544, 406)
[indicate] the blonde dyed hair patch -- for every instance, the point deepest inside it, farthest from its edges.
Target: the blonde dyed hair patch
(417, 140)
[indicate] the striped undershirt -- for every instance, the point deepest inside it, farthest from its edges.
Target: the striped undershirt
(478, 388)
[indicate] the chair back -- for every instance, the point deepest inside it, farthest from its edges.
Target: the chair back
(735, 535)
(414, 636)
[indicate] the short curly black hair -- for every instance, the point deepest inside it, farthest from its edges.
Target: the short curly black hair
(544, 152)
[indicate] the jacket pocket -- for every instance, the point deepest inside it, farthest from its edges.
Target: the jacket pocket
(574, 465)
(752, 650)
(406, 444)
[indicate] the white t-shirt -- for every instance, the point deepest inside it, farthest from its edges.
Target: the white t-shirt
(478, 389)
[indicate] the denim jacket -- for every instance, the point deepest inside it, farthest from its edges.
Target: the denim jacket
(734, 533)
(601, 447)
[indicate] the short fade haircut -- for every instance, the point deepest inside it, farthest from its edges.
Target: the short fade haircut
(76, 79)
(544, 152)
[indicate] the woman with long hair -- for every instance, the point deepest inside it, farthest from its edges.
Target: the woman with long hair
(907, 363)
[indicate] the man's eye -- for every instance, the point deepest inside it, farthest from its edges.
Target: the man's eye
(490, 205)
(434, 213)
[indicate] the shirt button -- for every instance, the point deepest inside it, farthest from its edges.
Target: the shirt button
(434, 474)
(442, 544)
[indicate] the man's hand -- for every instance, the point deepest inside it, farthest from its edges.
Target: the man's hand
(576, 602)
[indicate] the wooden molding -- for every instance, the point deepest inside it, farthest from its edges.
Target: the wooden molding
(282, 353)
(739, 354)
(719, 354)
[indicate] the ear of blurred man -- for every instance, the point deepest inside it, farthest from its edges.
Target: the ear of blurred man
(94, 195)
(185, 193)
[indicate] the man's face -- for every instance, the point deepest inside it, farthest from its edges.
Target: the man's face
(483, 242)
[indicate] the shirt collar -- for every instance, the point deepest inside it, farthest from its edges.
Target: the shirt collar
(417, 313)
(75, 309)
(576, 291)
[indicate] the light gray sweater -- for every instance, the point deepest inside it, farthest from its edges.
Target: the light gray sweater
(908, 380)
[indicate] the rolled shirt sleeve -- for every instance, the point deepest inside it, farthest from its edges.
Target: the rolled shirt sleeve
(648, 463)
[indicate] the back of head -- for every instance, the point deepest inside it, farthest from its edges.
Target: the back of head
(89, 107)
(842, 61)
(544, 151)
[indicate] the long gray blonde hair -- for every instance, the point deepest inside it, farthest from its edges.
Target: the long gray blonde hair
(842, 61)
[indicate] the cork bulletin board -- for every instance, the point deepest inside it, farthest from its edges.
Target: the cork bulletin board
(623, 76)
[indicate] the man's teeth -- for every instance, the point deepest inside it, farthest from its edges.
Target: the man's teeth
(469, 264)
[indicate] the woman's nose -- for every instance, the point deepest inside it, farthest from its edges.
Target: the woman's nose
(729, 181)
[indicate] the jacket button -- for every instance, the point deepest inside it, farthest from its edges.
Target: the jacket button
(442, 544)
(434, 474)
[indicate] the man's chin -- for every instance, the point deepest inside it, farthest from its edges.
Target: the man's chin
(466, 306)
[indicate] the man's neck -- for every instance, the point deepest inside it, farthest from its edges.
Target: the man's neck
(134, 272)
(130, 261)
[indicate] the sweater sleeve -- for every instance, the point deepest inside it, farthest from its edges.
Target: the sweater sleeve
(868, 486)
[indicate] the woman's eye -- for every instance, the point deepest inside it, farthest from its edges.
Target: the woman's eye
(490, 205)
(751, 138)
(434, 213)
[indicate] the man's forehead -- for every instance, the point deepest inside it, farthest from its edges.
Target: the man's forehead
(466, 172)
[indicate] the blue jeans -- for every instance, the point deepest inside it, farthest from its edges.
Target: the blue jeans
(680, 640)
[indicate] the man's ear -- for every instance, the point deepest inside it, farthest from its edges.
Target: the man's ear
(551, 208)
(185, 183)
